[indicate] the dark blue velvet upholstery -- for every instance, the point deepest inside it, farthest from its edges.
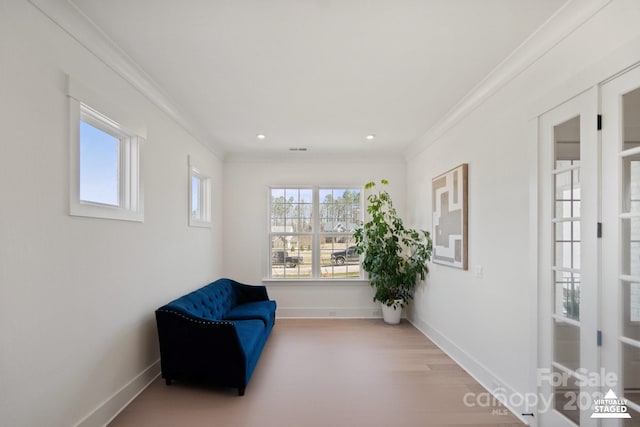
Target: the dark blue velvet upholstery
(215, 334)
(263, 310)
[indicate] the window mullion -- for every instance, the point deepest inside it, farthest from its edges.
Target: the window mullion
(315, 269)
(123, 179)
(204, 197)
(134, 186)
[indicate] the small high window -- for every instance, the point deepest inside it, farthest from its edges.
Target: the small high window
(105, 167)
(199, 197)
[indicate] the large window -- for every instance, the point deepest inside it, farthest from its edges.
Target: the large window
(311, 232)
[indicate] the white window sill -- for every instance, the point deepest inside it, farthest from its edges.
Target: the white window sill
(315, 282)
(90, 210)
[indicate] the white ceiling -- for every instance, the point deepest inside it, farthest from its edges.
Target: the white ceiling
(319, 74)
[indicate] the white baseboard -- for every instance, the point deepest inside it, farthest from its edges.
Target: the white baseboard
(479, 372)
(329, 312)
(119, 400)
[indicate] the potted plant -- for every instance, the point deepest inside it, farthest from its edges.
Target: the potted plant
(394, 256)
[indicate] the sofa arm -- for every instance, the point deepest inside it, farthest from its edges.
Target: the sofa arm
(249, 293)
(192, 348)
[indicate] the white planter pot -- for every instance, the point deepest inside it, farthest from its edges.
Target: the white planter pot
(391, 315)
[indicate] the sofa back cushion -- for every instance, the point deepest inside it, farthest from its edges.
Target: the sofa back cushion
(262, 310)
(211, 302)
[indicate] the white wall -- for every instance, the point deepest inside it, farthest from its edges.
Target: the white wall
(77, 295)
(246, 246)
(488, 323)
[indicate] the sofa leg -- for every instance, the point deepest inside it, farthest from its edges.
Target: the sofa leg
(168, 381)
(241, 391)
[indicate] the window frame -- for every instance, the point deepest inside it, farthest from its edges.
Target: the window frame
(316, 235)
(130, 195)
(205, 187)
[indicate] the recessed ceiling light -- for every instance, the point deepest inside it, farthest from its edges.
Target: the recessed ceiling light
(370, 136)
(261, 136)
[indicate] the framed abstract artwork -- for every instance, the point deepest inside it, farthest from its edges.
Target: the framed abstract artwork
(449, 201)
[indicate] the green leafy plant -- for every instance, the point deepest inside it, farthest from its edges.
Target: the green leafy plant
(394, 256)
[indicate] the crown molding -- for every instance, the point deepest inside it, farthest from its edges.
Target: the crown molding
(309, 158)
(80, 27)
(559, 26)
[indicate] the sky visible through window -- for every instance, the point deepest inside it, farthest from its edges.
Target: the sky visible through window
(98, 165)
(195, 197)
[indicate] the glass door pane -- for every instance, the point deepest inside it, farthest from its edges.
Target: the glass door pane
(566, 267)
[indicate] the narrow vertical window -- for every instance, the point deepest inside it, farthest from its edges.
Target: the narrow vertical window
(200, 187)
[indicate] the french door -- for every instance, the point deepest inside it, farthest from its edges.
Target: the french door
(621, 240)
(589, 258)
(568, 261)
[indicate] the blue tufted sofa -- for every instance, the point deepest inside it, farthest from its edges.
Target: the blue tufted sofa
(215, 335)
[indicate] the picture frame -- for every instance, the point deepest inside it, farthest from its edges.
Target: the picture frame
(450, 224)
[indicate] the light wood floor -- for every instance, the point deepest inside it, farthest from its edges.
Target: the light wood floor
(329, 373)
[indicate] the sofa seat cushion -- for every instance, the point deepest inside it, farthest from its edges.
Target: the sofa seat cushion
(249, 333)
(263, 310)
